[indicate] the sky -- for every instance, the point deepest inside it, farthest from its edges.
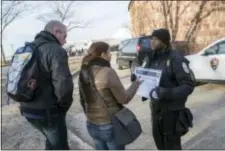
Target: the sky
(106, 19)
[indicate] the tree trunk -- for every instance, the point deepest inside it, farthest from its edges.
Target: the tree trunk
(3, 61)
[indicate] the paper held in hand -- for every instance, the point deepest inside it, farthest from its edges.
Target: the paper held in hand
(151, 79)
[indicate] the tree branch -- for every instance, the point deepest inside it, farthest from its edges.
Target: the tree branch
(176, 26)
(165, 14)
(195, 21)
(11, 10)
(64, 13)
(169, 6)
(184, 8)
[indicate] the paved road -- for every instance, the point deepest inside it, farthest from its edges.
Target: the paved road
(207, 104)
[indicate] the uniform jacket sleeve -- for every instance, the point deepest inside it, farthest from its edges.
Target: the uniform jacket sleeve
(183, 77)
(61, 77)
(116, 87)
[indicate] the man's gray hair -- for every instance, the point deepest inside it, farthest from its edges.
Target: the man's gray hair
(49, 26)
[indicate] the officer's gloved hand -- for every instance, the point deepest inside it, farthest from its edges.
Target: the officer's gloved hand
(160, 93)
(133, 77)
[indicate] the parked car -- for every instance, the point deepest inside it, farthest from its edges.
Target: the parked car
(209, 64)
(131, 49)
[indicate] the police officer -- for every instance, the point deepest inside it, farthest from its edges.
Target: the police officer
(170, 118)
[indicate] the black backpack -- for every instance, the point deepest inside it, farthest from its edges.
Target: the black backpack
(23, 77)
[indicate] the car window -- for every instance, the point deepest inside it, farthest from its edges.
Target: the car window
(211, 51)
(123, 44)
(130, 46)
(221, 49)
(135, 42)
(145, 42)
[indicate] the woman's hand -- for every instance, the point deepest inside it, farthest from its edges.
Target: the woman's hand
(139, 80)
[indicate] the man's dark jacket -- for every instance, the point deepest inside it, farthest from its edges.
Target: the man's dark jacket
(57, 85)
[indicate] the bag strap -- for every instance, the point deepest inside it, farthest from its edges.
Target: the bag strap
(92, 84)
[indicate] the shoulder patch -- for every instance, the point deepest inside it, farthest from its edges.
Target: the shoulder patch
(185, 67)
(168, 63)
(144, 64)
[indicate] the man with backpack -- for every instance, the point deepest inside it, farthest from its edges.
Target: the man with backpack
(44, 87)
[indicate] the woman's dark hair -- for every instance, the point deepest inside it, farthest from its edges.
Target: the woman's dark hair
(95, 50)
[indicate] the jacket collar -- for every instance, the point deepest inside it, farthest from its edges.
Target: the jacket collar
(162, 52)
(46, 36)
(100, 62)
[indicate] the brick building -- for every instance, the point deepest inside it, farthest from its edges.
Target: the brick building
(148, 15)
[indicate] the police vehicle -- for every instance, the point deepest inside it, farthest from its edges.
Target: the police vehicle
(130, 49)
(209, 64)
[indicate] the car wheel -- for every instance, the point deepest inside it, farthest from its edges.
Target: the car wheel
(132, 66)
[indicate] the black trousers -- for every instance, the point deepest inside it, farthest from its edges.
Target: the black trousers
(163, 130)
(55, 131)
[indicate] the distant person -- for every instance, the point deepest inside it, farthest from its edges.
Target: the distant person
(170, 117)
(108, 84)
(47, 111)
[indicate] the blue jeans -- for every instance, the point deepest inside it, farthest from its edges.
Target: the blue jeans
(103, 137)
(54, 131)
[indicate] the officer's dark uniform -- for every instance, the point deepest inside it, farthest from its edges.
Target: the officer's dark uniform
(170, 118)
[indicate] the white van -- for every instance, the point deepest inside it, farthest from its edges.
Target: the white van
(209, 64)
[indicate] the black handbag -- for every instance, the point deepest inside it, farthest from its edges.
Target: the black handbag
(126, 127)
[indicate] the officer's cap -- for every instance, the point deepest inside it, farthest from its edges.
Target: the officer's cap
(162, 34)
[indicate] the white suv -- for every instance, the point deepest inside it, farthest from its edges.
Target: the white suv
(209, 64)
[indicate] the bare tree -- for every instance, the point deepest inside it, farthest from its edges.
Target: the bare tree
(202, 13)
(64, 12)
(11, 10)
(172, 13)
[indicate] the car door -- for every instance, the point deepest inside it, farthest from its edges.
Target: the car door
(126, 51)
(207, 64)
(220, 69)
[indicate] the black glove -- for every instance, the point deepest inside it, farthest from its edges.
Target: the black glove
(162, 93)
(151, 95)
(144, 99)
(133, 77)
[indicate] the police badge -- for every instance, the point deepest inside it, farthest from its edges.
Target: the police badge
(214, 63)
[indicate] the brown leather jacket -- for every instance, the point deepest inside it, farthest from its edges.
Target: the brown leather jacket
(111, 89)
